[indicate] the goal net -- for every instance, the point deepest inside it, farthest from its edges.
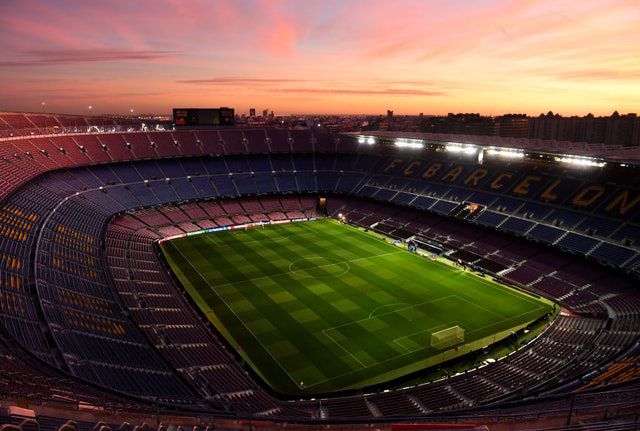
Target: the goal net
(447, 337)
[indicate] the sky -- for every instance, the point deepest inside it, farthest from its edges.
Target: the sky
(321, 56)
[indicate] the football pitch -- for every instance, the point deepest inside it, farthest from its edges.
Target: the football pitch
(317, 307)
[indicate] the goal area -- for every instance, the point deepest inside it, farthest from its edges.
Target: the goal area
(447, 337)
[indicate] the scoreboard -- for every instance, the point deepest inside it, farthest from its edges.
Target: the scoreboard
(203, 116)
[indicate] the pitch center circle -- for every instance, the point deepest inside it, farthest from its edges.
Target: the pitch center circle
(319, 267)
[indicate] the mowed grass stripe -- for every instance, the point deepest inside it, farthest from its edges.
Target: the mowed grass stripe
(206, 298)
(285, 325)
(329, 328)
(326, 307)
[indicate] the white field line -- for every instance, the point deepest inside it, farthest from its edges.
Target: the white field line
(288, 273)
(504, 320)
(414, 351)
(399, 344)
(496, 285)
(239, 234)
(462, 298)
(239, 319)
(342, 347)
(445, 325)
(213, 240)
(338, 262)
(386, 305)
(324, 331)
(391, 312)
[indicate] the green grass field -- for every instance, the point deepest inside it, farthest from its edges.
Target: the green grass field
(318, 307)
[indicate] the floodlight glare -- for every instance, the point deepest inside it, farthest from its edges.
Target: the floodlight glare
(580, 161)
(408, 143)
(508, 153)
(454, 147)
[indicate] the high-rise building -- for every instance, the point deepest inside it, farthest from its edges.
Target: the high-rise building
(622, 130)
(613, 130)
(252, 112)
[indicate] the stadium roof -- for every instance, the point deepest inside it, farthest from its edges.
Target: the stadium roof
(616, 153)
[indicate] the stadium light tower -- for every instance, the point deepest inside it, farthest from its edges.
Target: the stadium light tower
(43, 103)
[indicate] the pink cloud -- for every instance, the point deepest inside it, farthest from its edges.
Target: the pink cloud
(473, 55)
(363, 92)
(240, 81)
(68, 56)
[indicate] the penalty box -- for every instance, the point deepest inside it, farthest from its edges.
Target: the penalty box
(401, 330)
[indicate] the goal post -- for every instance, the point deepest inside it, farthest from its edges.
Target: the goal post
(447, 337)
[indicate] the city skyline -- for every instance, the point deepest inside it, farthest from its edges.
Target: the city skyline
(355, 57)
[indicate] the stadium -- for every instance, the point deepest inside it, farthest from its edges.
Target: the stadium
(269, 278)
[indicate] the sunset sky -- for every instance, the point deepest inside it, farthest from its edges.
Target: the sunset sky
(320, 56)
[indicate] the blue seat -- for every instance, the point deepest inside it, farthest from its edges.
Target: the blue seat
(580, 243)
(306, 181)
(192, 166)
(245, 184)
(105, 174)
(143, 193)
(171, 168)
(215, 166)
(120, 194)
(443, 207)
(265, 183)
(490, 218)
(348, 181)
(281, 162)
(204, 187)
(224, 185)
(385, 194)
(424, 202)
(613, 254)
(163, 191)
(286, 182)
(545, 233)
(516, 225)
(149, 170)
(126, 173)
(403, 198)
(184, 189)
(326, 181)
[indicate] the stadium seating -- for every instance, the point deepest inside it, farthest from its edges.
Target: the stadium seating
(81, 213)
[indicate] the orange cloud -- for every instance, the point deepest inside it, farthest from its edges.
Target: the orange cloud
(489, 56)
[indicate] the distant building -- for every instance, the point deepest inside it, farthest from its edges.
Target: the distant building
(617, 129)
(464, 124)
(512, 126)
(252, 112)
(623, 130)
